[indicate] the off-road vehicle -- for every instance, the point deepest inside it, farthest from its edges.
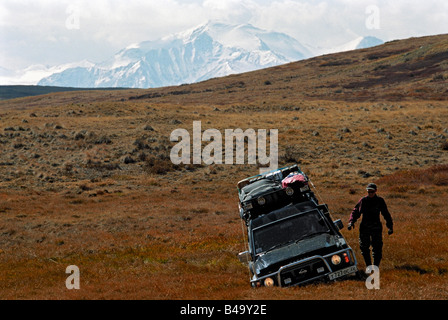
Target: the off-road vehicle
(292, 239)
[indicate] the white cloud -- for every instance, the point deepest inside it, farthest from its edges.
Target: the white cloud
(35, 31)
(230, 10)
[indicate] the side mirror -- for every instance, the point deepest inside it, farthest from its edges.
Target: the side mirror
(338, 223)
(245, 257)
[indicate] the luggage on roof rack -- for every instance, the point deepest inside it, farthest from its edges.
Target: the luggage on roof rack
(266, 192)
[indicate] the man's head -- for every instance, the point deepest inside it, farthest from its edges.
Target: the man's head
(371, 189)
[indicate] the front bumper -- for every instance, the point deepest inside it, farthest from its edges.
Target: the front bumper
(310, 269)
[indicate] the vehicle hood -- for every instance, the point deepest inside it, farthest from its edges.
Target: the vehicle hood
(292, 252)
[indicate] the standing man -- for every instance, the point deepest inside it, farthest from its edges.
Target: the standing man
(370, 229)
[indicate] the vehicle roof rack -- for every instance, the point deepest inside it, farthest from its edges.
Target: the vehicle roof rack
(285, 171)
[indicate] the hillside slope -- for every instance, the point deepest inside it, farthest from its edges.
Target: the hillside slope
(415, 68)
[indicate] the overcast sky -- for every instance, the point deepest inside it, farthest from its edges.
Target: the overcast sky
(53, 32)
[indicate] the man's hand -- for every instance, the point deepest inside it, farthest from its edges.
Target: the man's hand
(351, 225)
(390, 231)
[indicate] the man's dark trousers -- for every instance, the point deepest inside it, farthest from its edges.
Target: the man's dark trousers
(372, 236)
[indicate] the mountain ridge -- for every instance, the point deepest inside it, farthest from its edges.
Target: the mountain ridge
(210, 50)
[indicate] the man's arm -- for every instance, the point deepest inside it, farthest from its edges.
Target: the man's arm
(386, 214)
(356, 213)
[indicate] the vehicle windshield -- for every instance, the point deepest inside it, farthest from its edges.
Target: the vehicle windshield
(288, 230)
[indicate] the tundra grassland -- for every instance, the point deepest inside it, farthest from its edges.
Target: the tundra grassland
(86, 178)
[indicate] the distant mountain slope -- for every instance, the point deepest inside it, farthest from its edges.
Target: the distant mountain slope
(12, 92)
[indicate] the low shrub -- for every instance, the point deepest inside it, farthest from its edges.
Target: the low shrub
(445, 146)
(159, 166)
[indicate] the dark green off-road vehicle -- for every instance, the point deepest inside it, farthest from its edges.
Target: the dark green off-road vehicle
(292, 239)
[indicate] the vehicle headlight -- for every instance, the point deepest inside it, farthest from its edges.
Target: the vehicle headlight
(261, 201)
(269, 282)
(335, 259)
(289, 191)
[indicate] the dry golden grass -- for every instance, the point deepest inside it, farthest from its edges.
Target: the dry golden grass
(166, 246)
(145, 229)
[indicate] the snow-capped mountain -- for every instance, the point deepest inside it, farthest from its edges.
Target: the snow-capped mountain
(358, 43)
(34, 73)
(368, 42)
(210, 50)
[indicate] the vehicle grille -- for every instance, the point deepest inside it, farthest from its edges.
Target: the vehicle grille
(299, 273)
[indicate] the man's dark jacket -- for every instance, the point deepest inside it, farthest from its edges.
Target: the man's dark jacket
(370, 208)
